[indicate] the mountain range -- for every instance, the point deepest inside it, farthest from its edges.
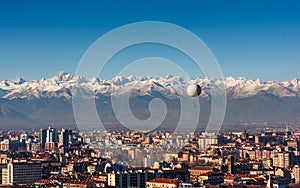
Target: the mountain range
(45, 102)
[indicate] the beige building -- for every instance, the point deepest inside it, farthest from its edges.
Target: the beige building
(282, 160)
(296, 174)
(163, 183)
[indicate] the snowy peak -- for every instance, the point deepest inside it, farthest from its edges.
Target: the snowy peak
(65, 85)
(62, 77)
(18, 81)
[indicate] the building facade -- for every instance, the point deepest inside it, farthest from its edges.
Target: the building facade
(21, 173)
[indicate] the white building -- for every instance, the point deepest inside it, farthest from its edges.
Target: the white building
(206, 139)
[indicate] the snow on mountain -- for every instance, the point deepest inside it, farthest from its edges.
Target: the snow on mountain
(64, 85)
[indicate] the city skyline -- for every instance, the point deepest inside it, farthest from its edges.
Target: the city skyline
(66, 158)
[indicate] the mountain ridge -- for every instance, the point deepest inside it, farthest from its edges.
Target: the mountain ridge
(45, 102)
(67, 85)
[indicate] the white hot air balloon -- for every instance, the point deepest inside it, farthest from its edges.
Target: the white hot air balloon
(193, 90)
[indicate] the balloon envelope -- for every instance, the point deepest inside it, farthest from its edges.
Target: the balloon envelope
(193, 90)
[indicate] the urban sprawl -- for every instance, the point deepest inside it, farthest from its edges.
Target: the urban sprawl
(66, 158)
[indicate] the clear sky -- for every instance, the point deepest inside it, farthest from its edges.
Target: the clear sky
(253, 39)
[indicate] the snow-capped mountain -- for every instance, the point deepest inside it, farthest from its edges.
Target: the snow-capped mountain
(45, 102)
(66, 85)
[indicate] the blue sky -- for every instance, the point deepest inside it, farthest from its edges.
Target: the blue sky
(254, 39)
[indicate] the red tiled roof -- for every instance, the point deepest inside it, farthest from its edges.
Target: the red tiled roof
(229, 178)
(77, 182)
(165, 180)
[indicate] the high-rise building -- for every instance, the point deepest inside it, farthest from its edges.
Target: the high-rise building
(21, 173)
(42, 138)
(48, 139)
(12, 145)
(65, 138)
(51, 135)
